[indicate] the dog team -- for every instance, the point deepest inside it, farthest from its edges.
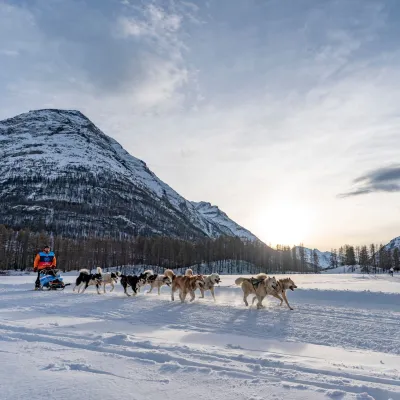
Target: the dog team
(261, 285)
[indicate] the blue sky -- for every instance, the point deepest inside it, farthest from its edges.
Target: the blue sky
(283, 113)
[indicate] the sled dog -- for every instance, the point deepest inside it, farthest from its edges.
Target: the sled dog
(110, 278)
(280, 291)
(146, 275)
(85, 278)
(209, 282)
(186, 284)
(134, 281)
(157, 281)
(261, 285)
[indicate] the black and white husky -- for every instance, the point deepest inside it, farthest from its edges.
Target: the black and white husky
(134, 281)
(109, 278)
(157, 281)
(86, 278)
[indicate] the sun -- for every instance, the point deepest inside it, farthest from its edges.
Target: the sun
(286, 224)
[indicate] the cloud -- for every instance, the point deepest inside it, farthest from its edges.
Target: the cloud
(229, 104)
(136, 51)
(385, 179)
(11, 53)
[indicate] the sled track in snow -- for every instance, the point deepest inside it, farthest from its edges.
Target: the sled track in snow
(262, 366)
(332, 347)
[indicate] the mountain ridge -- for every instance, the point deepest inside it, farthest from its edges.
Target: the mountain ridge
(61, 170)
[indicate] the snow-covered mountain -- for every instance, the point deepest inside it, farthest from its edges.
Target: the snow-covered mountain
(324, 257)
(217, 217)
(394, 243)
(60, 173)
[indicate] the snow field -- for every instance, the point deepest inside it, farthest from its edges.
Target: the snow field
(341, 341)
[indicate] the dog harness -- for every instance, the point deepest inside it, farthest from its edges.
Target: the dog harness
(152, 278)
(255, 282)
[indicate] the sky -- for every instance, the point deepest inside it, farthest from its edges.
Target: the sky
(285, 114)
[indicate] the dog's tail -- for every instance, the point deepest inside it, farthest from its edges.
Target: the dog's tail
(99, 270)
(261, 276)
(240, 280)
(84, 271)
(189, 272)
(171, 274)
(148, 272)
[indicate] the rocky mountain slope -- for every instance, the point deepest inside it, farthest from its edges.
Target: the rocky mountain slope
(215, 216)
(60, 173)
(393, 244)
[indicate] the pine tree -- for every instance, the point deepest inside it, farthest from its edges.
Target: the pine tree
(372, 252)
(316, 262)
(302, 258)
(357, 251)
(295, 261)
(350, 256)
(364, 259)
(396, 259)
(333, 259)
(341, 256)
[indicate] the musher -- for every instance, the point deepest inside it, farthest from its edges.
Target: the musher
(45, 259)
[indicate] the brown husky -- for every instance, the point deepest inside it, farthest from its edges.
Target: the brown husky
(261, 285)
(281, 286)
(185, 285)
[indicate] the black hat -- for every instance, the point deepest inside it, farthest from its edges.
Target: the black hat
(46, 246)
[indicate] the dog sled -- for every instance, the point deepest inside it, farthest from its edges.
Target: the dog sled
(50, 279)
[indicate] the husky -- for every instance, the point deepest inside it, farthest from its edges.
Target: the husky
(157, 281)
(88, 279)
(280, 291)
(134, 281)
(209, 282)
(261, 285)
(110, 278)
(146, 274)
(185, 284)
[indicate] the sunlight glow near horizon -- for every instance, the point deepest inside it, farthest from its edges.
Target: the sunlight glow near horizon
(286, 224)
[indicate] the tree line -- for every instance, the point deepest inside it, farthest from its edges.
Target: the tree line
(370, 258)
(19, 247)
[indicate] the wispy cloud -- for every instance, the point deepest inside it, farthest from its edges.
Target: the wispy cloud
(385, 179)
(227, 101)
(135, 51)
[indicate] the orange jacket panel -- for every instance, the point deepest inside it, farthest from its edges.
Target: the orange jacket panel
(44, 260)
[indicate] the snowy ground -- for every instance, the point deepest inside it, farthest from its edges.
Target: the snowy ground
(342, 341)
